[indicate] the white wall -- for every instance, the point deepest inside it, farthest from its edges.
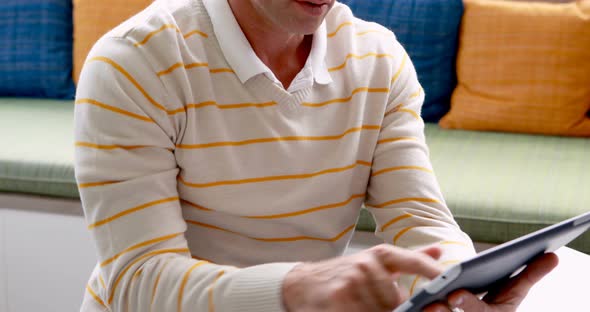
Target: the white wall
(3, 299)
(45, 258)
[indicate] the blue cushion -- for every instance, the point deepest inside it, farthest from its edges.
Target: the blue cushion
(36, 48)
(429, 30)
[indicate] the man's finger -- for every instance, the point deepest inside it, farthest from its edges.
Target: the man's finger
(512, 294)
(382, 284)
(406, 261)
(467, 301)
(535, 271)
(518, 287)
(401, 294)
(433, 251)
(437, 307)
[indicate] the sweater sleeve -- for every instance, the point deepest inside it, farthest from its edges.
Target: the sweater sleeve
(126, 127)
(403, 194)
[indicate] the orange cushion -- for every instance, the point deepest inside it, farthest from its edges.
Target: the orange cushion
(94, 18)
(523, 67)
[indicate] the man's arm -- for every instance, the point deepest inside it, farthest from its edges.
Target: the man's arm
(403, 193)
(125, 134)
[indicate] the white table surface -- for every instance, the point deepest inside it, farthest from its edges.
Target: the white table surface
(565, 289)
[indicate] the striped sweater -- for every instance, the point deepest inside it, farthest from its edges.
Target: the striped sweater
(202, 192)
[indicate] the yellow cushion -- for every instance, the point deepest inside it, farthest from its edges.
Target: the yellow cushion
(523, 67)
(94, 18)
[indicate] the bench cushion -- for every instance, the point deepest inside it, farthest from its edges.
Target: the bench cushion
(37, 147)
(498, 185)
(501, 186)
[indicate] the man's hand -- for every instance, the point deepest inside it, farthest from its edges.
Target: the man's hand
(508, 298)
(361, 282)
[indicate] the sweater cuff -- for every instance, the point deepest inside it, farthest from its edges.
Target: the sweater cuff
(258, 288)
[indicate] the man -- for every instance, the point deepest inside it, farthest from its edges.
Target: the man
(220, 143)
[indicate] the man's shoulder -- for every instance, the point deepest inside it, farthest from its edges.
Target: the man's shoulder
(155, 33)
(160, 15)
(344, 27)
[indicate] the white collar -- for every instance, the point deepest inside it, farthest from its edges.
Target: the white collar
(239, 53)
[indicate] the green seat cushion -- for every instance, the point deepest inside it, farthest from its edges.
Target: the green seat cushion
(37, 147)
(503, 185)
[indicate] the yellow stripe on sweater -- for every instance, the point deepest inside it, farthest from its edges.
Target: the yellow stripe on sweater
(195, 32)
(179, 65)
(401, 108)
(193, 65)
(273, 178)
(113, 109)
(273, 240)
(393, 110)
(332, 34)
(95, 296)
(234, 106)
(101, 280)
(155, 32)
(268, 104)
(358, 57)
(130, 265)
(280, 139)
(185, 280)
(198, 207)
(169, 26)
(288, 214)
(155, 288)
(399, 71)
(130, 78)
(210, 291)
(399, 168)
(395, 220)
(401, 233)
(108, 147)
(408, 199)
(416, 94)
(411, 112)
(135, 276)
(221, 106)
(137, 246)
(310, 210)
(95, 184)
(221, 70)
(130, 211)
(347, 99)
(362, 33)
(172, 68)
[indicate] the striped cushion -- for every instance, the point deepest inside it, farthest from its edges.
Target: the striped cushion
(501, 186)
(523, 67)
(428, 29)
(36, 48)
(94, 18)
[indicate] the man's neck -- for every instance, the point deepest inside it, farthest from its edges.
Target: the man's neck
(283, 52)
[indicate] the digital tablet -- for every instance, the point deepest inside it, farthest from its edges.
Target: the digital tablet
(494, 266)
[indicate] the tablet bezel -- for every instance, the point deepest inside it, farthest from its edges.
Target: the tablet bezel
(495, 265)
